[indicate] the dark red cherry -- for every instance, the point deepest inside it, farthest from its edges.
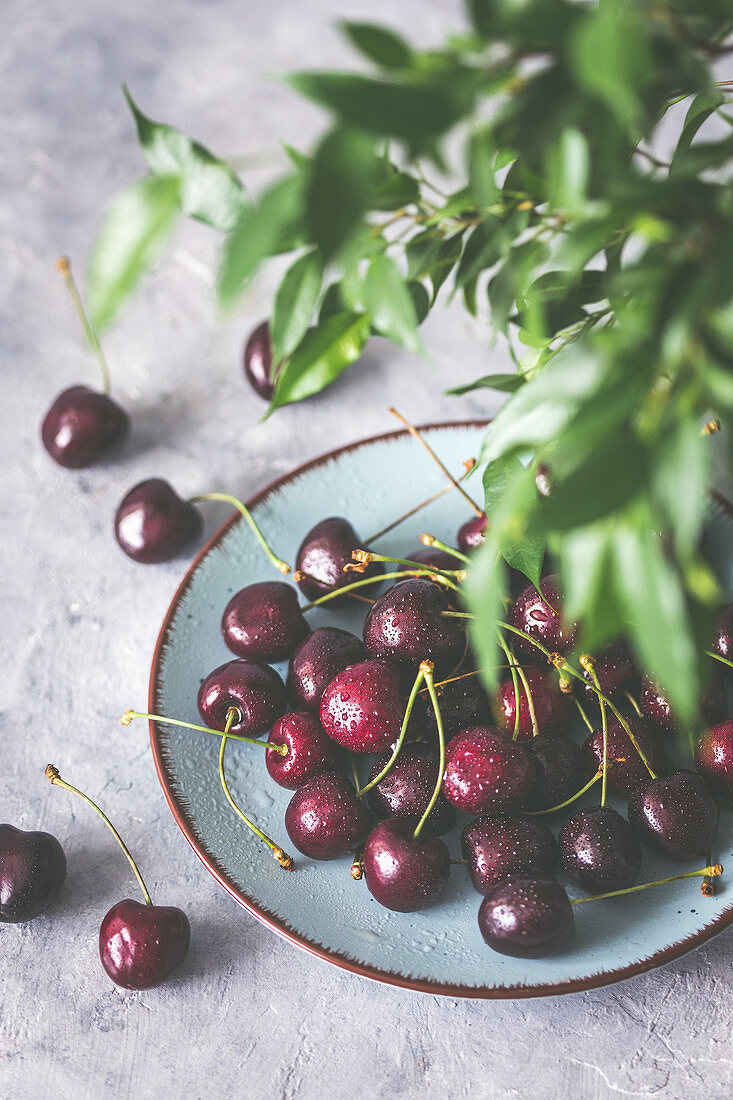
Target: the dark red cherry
(484, 771)
(600, 850)
(615, 669)
(625, 766)
(540, 614)
(499, 845)
(553, 709)
(319, 657)
(141, 945)
(363, 706)
(258, 362)
(309, 750)
(323, 553)
(407, 625)
(254, 689)
(432, 556)
(82, 426)
(471, 533)
(402, 872)
(154, 524)
(722, 642)
(325, 819)
(675, 814)
(560, 770)
(408, 787)
(463, 703)
(527, 917)
(32, 872)
(655, 705)
(264, 621)
(714, 759)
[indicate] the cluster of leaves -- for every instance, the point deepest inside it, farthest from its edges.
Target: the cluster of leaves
(607, 269)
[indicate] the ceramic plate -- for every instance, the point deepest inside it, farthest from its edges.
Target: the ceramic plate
(319, 907)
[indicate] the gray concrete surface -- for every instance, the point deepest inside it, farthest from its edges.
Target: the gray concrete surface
(248, 1015)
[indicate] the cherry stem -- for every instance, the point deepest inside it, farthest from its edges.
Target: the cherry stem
(568, 801)
(357, 865)
(282, 857)
(588, 664)
(583, 715)
(52, 774)
(416, 435)
(723, 660)
(430, 540)
(427, 670)
(355, 774)
(128, 716)
(226, 498)
(347, 588)
(362, 558)
(64, 265)
(400, 740)
(634, 703)
(469, 464)
(513, 665)
(711, 872)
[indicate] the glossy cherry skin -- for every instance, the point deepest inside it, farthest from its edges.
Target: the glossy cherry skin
(258, 362)
(323, 553)
(264, 621)
(527, 917)
(471, 533)
(675, 814)
(655, 705)
(255, 689)
(615, 669)
(432, 556)
(154, 524)
(406, 790)
(317, 659)
(539, 614)
(484, 771)
(600, 850)
(32, 872)
(625, 766)
(141, 945)
(407, 625)
(722, 642)
(403, 873)
(560, 770)
(714, 759)
(499, 845)
(309, 750)
(553, 709)
(325, 819)
(463, 703)
(363, 707)
(82, 426)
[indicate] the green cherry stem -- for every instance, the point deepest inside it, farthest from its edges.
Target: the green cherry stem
(634, 703)
(64, 266)
(400, 740)
(583, 715)
(514, 666)
(568, 801)
(348, 588)
(589, 665)
(226, 498)
(362, 558)
(129, 715)
(427, 670)
(469, 464)
(430, 540)
(717, 657)
(282, 857)
(714, 871)
(355, 774)
(53, 776)
(423, 442)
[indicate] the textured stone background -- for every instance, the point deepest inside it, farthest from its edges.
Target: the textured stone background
(248, 1015)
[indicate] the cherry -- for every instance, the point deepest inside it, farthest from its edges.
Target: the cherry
(432, 556)
(527, 917)
(323, 553)
(254, 689)
(325, 819)
(317, 659)
(551, 706)
(539, 614)
(141, 945)
(309, 750)
(264, 621)
(363, 706)
(655, 705)
(463, 703)
(498, 845)
(154, 524)
(32, 872)
(600, 850)
(403, 872)
(258, 362)
(675, 814)
(722, 642)
(714, 758)
(82, 426)
(471, 533)
(560, 770)
(615, 668)
(407, 625)
(408, 787)
(484, 771)
(625, 766)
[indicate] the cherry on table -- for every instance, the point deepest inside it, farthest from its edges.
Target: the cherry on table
(318, 658)
(258, 362)
(407, 625)
(625, 766)
(527, 918)
(82, 426)
(675, 814)
(498, 845)
(264, 621)
(362, 708)
(484, 771)
(324, 818)
(310, 751)
(254, 689)
(656, 708)
(539, 613)
(714, 759)
(32, 872)
(403, 872)
(321, 558)
(407, 789)
(141, 945)
(153, 524)
(600, 850)
(552, 707)
(560, 770)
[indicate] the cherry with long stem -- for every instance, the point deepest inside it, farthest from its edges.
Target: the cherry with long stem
(347, 588)
(513, 665)
(129, 715)
(401, 739)
(568, 801)
(227, 498)
(64, 266)
(423, 442)
(468, 463)
(589, 665)
(711, 872)
(427, 670)
(362, 559)
(430, 540)
(717, 656)
(586, 720)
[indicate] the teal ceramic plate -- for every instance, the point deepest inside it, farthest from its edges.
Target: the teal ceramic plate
(319, 907)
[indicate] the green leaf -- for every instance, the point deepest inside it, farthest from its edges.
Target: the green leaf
(322, 355)
(702, 107)
(610, 58)
(681, 474)
(481, 161)
(132, 236)
(505, 383)
(389, 304)
(522, 547)
(420, 300)
(210, 190)
(382, 46)
(343, 176)
(568, 171)
(484, 593)
(605, 482)
(294, 304)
